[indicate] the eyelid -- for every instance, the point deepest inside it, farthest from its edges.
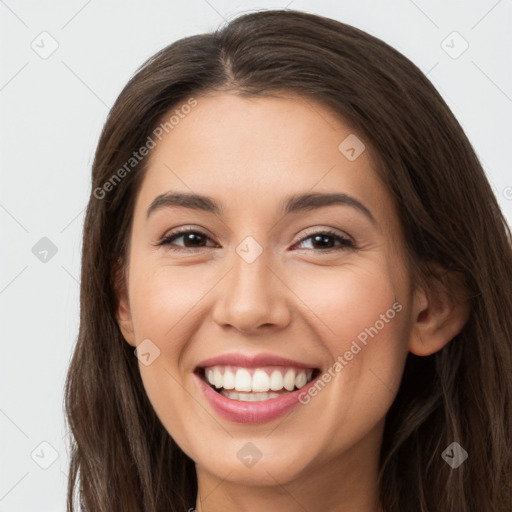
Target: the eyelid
(186, 229)
(347, 242)
(178, 232)
(331, 231)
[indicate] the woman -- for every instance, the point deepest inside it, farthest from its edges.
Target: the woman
(291, 232)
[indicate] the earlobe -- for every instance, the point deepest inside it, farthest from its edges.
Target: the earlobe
(440, 313)
(123, 314)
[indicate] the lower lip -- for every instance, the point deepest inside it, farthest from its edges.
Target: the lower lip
(251, 412)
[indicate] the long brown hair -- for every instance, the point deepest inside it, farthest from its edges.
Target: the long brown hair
(122, 458)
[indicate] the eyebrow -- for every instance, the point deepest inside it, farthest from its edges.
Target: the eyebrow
(292, 204)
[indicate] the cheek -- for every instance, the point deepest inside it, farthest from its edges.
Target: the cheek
(165, 302)
(164, 299)
(363, 326)
(345, 303)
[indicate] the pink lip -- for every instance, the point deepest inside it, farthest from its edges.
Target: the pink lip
(252, 361)
(251, 412)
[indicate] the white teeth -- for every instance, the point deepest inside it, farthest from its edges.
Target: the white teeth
(260, 381)
(243, 380)
(289, 380)
(217, 376)
(229, 380)
(257, 381)
(249, 397)
(234, 395)
(276, 381)
(301, 380)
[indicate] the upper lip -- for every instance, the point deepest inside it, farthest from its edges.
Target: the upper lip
(253, 361)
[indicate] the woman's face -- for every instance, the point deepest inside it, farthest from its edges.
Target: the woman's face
(268, 291)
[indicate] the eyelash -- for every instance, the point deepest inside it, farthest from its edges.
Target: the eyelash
(346, 243)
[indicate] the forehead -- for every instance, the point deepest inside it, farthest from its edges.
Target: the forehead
(252, 151)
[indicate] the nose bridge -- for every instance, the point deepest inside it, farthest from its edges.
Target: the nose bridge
(251, 295)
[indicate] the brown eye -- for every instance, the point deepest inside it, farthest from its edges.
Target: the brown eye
(191, 239)
(325, 241)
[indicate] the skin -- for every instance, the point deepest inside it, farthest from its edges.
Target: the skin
(295, 300)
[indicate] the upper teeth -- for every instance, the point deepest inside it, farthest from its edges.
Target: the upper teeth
(258, 380)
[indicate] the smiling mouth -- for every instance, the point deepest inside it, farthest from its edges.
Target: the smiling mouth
(256, 384)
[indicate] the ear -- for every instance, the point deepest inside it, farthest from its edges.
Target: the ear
(441, 308)
(123, 314)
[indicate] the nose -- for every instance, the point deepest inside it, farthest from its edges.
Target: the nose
(252, 297)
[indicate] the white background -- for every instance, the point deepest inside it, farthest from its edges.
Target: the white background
(52, 111)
